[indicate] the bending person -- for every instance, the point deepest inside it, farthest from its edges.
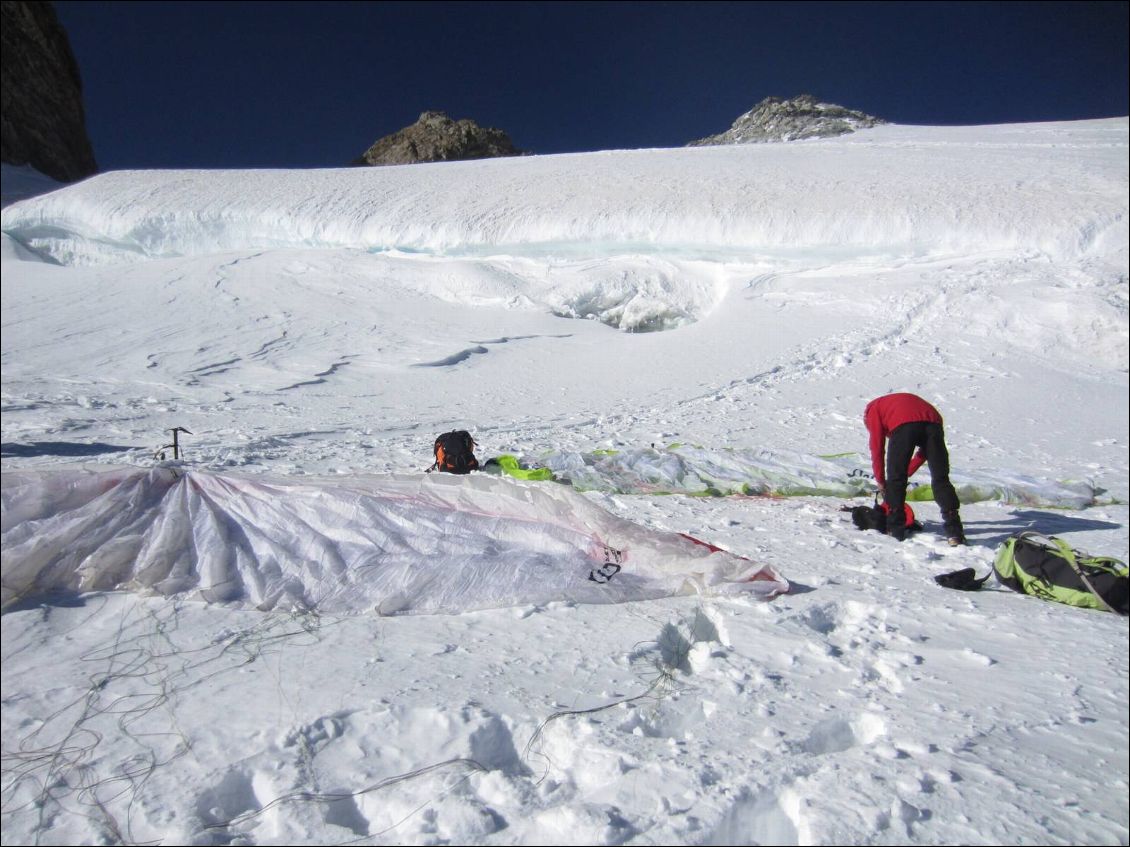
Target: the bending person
(905, 422)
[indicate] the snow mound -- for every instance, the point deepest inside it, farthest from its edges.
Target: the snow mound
(631, 238)
(861, 194)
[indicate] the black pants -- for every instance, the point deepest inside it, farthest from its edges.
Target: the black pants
(901, 444)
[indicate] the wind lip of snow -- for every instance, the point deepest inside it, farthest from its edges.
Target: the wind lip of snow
(863, 197)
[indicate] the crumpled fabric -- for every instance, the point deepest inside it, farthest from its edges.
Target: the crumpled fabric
(391, 544)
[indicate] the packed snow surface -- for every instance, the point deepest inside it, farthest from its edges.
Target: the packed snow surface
(289, 634)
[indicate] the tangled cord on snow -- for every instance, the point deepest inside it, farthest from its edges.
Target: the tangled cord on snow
(674, 650)
(308, 796)
(43, 774)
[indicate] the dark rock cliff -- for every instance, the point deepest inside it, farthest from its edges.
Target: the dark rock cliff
(44, 124)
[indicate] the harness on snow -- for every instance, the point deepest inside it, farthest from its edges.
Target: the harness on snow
(875, 517)
(455, 453)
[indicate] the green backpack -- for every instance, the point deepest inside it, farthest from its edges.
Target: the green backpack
(1047, 567)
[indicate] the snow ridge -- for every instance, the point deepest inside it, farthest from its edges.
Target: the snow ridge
(860, 195)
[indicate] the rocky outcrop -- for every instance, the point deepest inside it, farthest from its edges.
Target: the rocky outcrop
(774, 119)
(437, 138)
(43, 122)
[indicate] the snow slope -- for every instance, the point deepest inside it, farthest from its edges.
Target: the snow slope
(652, 324)
(862, 196)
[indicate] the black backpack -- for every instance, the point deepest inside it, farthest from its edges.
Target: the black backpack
(455, 453)
(875, 517)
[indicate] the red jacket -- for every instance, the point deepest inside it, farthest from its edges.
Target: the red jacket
(887, 413)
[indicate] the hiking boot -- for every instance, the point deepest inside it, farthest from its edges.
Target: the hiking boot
(955, 532)
(898, 533)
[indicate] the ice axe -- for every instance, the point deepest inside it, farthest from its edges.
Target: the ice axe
(175, 445)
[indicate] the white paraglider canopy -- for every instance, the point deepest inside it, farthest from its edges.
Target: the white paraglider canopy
(387, 543)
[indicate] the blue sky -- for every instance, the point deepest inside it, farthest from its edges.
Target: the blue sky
(297, 84)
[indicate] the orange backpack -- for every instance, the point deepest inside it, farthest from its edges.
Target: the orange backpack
(455, 453)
